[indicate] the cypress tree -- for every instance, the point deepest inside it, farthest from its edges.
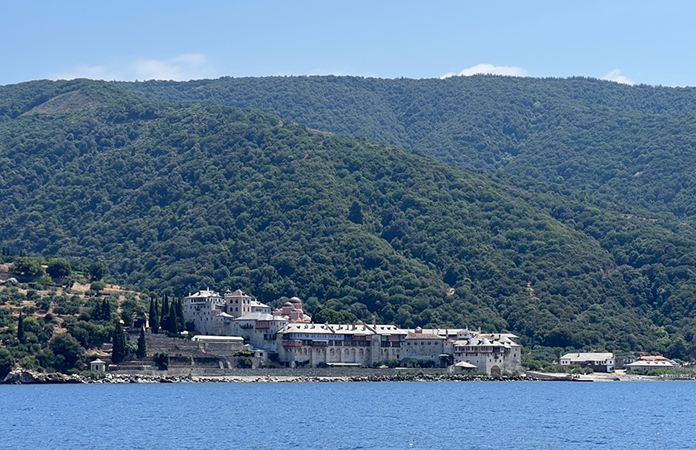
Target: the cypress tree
(153, 316)
(171, 318)
(104, 310)
(142, 349)
(165, 313)
(180, 324)
(20, 328)
(119, 345)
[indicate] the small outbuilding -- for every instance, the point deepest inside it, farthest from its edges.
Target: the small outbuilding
(643, 366)
(97, 366)
(219, 345)
(463, 366)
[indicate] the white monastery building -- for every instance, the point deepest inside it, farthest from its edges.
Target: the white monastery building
(289, 333)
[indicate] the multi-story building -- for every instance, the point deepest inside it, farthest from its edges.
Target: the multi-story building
(599, 362)
(335, 344)
(424, 346)
(490, 353)
(204, 309)
(238, 303)
(289, 333)
(258, 329)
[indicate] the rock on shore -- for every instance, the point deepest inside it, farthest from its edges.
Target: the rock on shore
(31, 377)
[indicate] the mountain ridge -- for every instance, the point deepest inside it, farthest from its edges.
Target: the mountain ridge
(174, 197)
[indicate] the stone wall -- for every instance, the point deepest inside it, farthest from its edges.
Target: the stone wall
(303, 372)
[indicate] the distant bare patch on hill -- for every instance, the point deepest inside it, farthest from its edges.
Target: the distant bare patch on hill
(67, 103)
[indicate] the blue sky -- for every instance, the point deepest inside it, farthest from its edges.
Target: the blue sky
(631, 42)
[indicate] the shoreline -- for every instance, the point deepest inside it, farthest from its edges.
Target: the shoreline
(29, 377)
(19, 377)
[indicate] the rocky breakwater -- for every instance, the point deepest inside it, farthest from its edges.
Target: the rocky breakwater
(30, 377)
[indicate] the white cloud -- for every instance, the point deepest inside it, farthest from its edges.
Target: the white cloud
(615, 75)
(488, 69)
(189, 66)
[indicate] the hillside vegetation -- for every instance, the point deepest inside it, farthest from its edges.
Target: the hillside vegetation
(630, 145)
(177, 197)
(56, 314)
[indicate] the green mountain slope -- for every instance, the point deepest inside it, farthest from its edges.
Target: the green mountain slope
(173, 198)
(631, 145)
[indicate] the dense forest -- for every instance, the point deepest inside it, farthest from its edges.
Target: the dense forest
(629, 145)
(177, 195)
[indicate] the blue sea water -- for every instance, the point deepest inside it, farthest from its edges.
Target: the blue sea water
(416, 415)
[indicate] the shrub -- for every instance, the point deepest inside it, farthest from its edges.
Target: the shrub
(97, 286)
(244, 363)
(7, 362)
(162, 360)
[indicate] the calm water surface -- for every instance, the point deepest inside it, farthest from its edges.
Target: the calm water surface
(469, 415)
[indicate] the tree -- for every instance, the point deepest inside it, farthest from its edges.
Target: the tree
(69, 354)
(677, 348)
(153, 316)
(162, 360)
(169, 316)
(59, 268)
(120, 347)
(142, 349)
(164, 313)
(97, 271)
(7, 363)
(180, 323)
(355, 214)
(27, 266)
(20, 328)
(97, 286)
(328, 315)
(102, 311)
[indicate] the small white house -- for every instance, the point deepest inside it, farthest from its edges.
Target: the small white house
(599, 362)
(97, 366)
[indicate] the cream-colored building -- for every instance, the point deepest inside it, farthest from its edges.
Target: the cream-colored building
(493, 353)
(238, 303)
(599, 362)
(260, 330)
(424, 346)
(213, 314)
(336, 344)
(204, 309)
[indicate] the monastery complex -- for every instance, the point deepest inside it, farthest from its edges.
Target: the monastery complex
(289, 336)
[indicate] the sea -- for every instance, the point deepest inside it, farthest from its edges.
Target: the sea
(351, 416)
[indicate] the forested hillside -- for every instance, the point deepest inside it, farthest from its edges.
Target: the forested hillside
(631, 145)
(176, 197)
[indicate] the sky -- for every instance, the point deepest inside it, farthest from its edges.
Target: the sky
(633, 42)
